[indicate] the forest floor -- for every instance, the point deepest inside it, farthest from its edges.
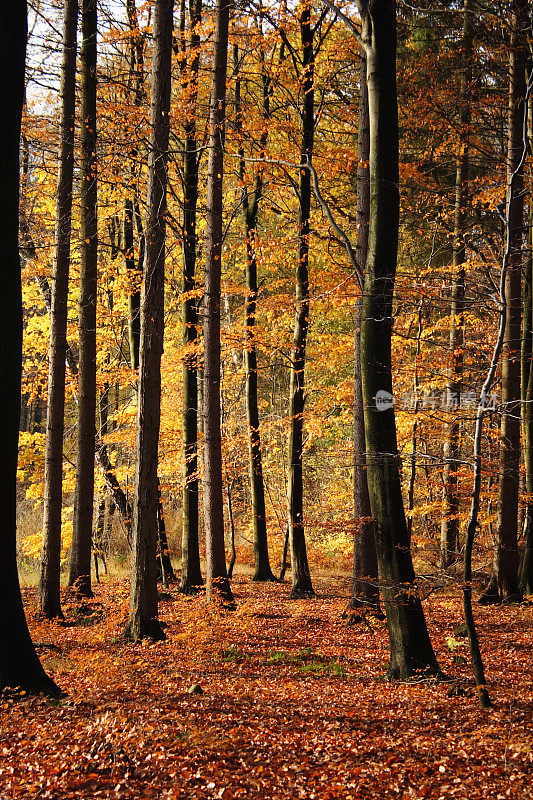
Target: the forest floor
(293, 705)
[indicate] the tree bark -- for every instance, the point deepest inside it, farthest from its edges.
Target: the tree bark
(165, 564)
(365, 590)
(411, 650)
(504, 583)
(217, 583)
(80, 558)
(49, 581)
(19, 665)
(191, 573)
(301, 577)
(449, 541)
(143, 621)
(131, 210)
(250, 204)
(526, 566)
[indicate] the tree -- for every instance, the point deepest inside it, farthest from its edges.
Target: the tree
(143, 620)
(526, 566)
(504, 582)
(191, 574)
(19, 665)
(301, 577)
(217, 583)
(131, 206)
(80, 557)
(450, 516)
(365, 591)
(410, 647)
(49, 583)
(250, 207)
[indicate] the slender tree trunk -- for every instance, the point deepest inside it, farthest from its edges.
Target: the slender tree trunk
(301, 577)
(167, 570)
(49, 582)
(504, 583)
(143, 621)
(19, 665)
(414, 435)
(80, 559)
(411, 650)
(191, 573)
(449, 540)
(526, 567)
(365, 590)
(262, 569)
(134, 267)
(233, 552)
(217, 584)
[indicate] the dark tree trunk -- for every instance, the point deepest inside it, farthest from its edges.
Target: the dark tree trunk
(19, 665)
(526, 566)
(49, 581)
(80, 558)
(250, 203)
(167, 570)
(131, 206)
(233, 551)
(301, 577)
(504, 583)
(191, 573)
(143, 621)
(365, 590)
(449, 539)
(411, 650)
(217, 584)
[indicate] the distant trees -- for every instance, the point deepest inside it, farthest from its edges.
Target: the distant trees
(279, 134)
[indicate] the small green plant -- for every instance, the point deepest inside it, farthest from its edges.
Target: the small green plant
(233, 655)
(323, 668)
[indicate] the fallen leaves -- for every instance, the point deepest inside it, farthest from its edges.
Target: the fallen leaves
(293, 705)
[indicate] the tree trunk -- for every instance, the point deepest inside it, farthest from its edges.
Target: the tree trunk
(365, 590)
(49, 582)
(449, 540)
(504, 583)
(191, 573)
(80, 558)
(217, 584)
(131, 210)
(166, 568)
(411, 650)
(262, 569)
(143, 620)
(526, 567)
(301, 577)
(19, 665)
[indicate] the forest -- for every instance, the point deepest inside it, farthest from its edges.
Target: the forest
(266, 391)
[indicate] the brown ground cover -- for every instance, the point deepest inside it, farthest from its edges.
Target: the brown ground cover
(292, 705)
